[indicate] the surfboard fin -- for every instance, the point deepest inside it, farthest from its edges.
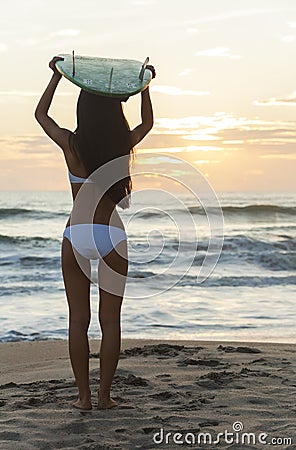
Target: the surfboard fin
(73, 64)
(141, 74)
(110, 79)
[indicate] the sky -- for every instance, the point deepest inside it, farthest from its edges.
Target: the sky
(224, 97)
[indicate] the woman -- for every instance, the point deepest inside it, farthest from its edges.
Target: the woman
(102, 135)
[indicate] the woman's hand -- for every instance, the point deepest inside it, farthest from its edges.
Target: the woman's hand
(149, 67)
(53, 66)
(41, 112)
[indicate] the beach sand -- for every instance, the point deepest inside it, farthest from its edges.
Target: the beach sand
(186, 387)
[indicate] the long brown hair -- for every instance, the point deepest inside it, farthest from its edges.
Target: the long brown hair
(103, 134)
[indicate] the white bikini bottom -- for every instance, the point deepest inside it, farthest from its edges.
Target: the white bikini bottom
(94, 240)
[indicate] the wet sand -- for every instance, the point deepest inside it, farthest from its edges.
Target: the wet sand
(195, 388)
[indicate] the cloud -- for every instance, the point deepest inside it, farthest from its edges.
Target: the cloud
(218, 52)
(3, 47)
(66, 33)
(161, 150)
(184, 149)
(17, 97)
(143, 2)
(69, 32)
(201, 161)
(23, 147)
(203, 148)
(185, 72)
(278, 156)
(239, 143)
(27, 42)
(223, 131)
(192, 30)
(31, 162)
(29, 93)
(288, 38)
(233, 142)
(289, 101)
(206, 161)
(211, 134)
(173, 90)
(234, 15)
(220, 120)
(156, 160)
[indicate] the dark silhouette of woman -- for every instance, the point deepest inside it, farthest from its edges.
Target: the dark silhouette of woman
(102, 135)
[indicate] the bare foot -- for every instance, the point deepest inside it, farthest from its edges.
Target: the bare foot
(85, 405)
(107, 404)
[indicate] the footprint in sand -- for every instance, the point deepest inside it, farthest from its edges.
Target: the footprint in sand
(230, 349)
(156, 350)
(201, 362)
(163, 376)
(130, 380)
(165, 395)
(215, 380)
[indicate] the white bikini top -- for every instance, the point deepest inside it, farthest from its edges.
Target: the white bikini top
(75, 179)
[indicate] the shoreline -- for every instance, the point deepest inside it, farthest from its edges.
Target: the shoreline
(38, 358)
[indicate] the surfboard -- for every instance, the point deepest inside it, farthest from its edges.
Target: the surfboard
(105, 76)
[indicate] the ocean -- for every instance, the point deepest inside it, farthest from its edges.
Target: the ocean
(248, 293)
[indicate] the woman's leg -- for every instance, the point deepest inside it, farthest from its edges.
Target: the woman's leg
(77, 285)
(112, 279)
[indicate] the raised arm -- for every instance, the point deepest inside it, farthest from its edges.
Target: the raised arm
(138, 133)
(51, 128)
